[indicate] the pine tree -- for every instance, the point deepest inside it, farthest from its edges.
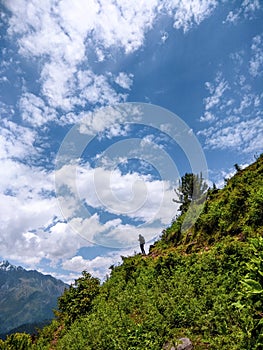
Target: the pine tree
(191, 188)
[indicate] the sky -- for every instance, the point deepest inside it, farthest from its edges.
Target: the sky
(104, 106)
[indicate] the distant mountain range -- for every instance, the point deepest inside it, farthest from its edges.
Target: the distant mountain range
(26, 297)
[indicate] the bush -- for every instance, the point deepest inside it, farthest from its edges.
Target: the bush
(17, 341)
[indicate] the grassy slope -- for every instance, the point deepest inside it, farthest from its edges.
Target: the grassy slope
(148, 302)
(234, 211)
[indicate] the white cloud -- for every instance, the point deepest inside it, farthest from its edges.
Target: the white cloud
(30, 215)
(247, 101)
(31, 218)
(98, 267)
(233, 16)
(59, 34)
(216, 92)
(133, 195)
(6, 111)
(61, 242)
(245, 136)
(80, 17)
(256, 61)
(250, 6)
(16, 141)
(58, 88)
(101, 121)
(216, 98)
(100, 54)
(187, 13)
(100, 91)
(123, 24)
(28, 208)
(233, 108)
(238, 58)
(207, 117)
(76, 88)
(124, 80)
(35, 111)
(164, 37)
(247, 9)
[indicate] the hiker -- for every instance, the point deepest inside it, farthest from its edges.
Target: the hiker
(142, 242)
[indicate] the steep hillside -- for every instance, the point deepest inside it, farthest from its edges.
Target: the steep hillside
(236, 210)
(205, 284)
(26, 296)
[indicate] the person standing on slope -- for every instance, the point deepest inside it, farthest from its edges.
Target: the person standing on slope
(142, 242)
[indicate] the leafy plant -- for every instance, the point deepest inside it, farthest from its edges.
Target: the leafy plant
(77, 300)
(251, 296)
(17, 341)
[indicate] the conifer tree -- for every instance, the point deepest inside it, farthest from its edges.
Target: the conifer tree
(191, 188)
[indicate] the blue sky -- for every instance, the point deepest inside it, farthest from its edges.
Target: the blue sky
(78, 181)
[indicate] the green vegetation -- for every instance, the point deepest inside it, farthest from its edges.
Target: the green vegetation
(18, 341)
(233, 211)
(192, 188)
(77, 300)
(205, 283)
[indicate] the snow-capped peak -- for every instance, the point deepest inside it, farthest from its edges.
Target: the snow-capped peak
(6, 266)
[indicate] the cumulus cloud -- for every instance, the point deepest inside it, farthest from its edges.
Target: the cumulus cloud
(247, 10)
(233, 109)
(233, 16)
(245, 136)
(35, 111)
(132, 196)
(98, 266)
(216, 92)
(32, 227)
(187, 13)
(207, 117)
(58, 35)
(28, 209)
(16, 141)
(30, 217)
(124, 80)
(236, 123)
(216, 99)
(256, 61)
(164, 37)
(107, 122)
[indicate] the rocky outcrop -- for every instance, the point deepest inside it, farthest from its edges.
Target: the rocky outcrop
(184, 344)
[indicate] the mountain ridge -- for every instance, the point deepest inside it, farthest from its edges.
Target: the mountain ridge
(26, 296)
